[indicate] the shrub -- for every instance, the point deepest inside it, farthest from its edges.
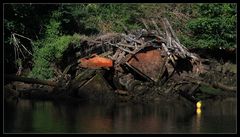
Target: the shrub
(214, 26)
(49, 50)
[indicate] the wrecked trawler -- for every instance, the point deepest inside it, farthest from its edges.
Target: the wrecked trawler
(142, 66)
(132, 65)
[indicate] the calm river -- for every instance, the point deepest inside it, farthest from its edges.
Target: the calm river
(51, 117)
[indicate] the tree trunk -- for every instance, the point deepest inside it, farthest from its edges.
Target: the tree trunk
(29, 80)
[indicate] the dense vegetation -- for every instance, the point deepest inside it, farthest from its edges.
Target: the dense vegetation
(52, 27)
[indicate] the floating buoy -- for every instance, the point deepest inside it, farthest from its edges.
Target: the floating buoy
(199, 104)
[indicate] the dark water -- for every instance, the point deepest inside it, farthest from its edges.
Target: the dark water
(49, 117)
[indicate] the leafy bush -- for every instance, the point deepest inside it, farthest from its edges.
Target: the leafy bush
(214, 26)
(43, 56)
(49, 50)
(95, 18)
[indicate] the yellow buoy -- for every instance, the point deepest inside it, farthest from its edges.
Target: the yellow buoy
(199, 104)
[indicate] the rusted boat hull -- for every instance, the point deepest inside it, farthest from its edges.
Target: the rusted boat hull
(148, 63)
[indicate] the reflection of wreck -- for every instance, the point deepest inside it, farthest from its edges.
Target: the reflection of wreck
(146, 64)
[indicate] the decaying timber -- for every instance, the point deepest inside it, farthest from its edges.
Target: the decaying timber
(29, 80)
(140, 66)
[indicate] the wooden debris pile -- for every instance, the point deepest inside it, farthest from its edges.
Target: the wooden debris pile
(166, 41)
(142, 56)
(130, 64)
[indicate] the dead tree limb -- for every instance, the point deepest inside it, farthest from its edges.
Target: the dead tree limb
(224, 87)
(29, 80)
(157, 28)
(171, 30)
(214, 85)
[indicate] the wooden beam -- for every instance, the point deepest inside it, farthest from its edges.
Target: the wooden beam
(29, 80)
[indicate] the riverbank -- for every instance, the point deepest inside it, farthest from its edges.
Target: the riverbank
(98, 90)
(140, 67)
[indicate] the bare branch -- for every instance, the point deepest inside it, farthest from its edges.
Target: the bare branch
(22, 36)
(171, 30)
(26, 49)
(157, 28)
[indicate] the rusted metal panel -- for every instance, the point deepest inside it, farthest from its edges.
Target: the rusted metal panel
(148, 62)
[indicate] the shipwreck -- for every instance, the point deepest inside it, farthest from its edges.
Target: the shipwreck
(140, 66)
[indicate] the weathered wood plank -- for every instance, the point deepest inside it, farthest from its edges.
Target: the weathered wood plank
(29, 80)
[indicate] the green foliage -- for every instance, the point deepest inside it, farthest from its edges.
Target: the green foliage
(50, 51)
(52, 27)
(27, 20)
(215, 26)
(94, 18)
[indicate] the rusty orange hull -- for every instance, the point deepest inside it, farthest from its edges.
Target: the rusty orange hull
(96, 62)
(148, 62)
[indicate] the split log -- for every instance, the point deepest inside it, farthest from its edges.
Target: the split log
(126, 50)
(171, 30)
(120, 57)
(219, 85)
(29, 80)
(116, 54)
(125, 45)
(157, 28)
(223, 87)
(214, 85)
(131, 39)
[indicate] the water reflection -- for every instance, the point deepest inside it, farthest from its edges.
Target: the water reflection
(38, 117)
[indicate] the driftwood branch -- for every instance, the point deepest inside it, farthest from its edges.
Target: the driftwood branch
(29, 80)
(171, 30)
(157, 28)
(221, 86)
(213, 84)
